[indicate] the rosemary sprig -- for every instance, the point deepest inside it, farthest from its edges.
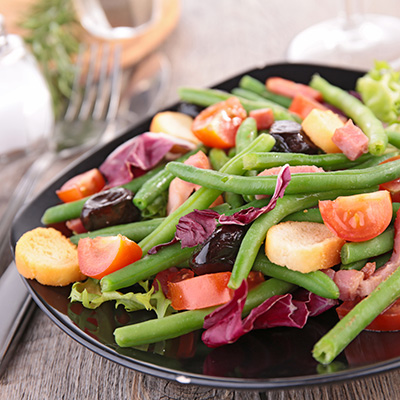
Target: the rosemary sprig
(51, 27)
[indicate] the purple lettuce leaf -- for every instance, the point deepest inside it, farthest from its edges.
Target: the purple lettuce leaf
(248, 215)
(225, 325)
(142, 152)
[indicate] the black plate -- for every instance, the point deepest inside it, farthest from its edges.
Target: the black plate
(264, 359)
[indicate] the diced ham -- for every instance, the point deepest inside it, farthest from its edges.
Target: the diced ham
(351, 140)
(179, 190)
(293, 170)
(348, 282)
(264, 117)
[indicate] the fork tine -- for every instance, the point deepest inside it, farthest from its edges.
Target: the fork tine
(75, 99)
(102, 89)
(89, 94)
(116, 83)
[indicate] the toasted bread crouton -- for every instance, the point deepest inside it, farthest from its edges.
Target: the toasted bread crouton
(303, 246)
(49, 257)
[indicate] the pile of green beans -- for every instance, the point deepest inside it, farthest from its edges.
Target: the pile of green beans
(234, 176)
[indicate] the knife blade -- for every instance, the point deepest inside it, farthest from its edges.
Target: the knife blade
(16, 308)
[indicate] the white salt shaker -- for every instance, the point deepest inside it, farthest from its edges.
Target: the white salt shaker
(26, 113)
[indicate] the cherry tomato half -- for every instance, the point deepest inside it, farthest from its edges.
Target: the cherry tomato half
(393, 186)
(358, 218)
(102, 255)
(216, 126)
(82, 185)
(388, 320)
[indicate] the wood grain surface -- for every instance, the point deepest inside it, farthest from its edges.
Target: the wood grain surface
(212, 41)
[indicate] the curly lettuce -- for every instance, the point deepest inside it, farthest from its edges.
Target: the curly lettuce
(90, 295)
(380, 91)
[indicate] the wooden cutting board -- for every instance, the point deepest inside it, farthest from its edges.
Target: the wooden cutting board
(133, 49)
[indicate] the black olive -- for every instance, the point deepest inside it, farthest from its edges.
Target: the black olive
(284, 126)
(190, 109)
(218, 253)
(291, 139)
(109, 207)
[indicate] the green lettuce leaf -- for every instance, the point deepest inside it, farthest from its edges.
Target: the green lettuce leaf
(380, 91)
(90, 295)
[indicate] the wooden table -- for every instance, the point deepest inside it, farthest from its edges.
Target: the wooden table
(213, 40)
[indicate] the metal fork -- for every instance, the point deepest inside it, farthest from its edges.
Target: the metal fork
(90, 116)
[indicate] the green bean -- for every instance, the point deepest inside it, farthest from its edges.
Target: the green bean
(247, 94)
(316, 282)
(309, 215)
(255, 235)
(202, 198)
(394, 138)
(218, 158)
(299, 183)
(233, 199)
(135, 230)
(358, 265)
(145, 268)
(249, 83)
(246, 133)
(156, 330)
(331, 344)
(355, 251)
(207, 97)
(375, 160)
(333, 161)
(66, 211)
(154, 186)
(357, 111)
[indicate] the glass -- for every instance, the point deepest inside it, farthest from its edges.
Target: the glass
(117, 19)
(26, 112)
(353, 39)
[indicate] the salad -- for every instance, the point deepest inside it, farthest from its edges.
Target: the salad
(253, 209)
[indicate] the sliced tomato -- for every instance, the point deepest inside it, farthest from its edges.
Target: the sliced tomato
(264, 117)
(206, 290)
(388, 320)
(393, 186)
(102, 255)
(358, 218)
(303, 105)
(216, 126)
(201, 291)
(289, 88)
(82, 185)
(172, 274)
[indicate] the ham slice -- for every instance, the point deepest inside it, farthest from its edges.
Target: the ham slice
(351, 140)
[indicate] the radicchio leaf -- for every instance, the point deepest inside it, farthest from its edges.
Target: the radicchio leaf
(225, 324)
(248, 215)
(142, 152)
(192, 229)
